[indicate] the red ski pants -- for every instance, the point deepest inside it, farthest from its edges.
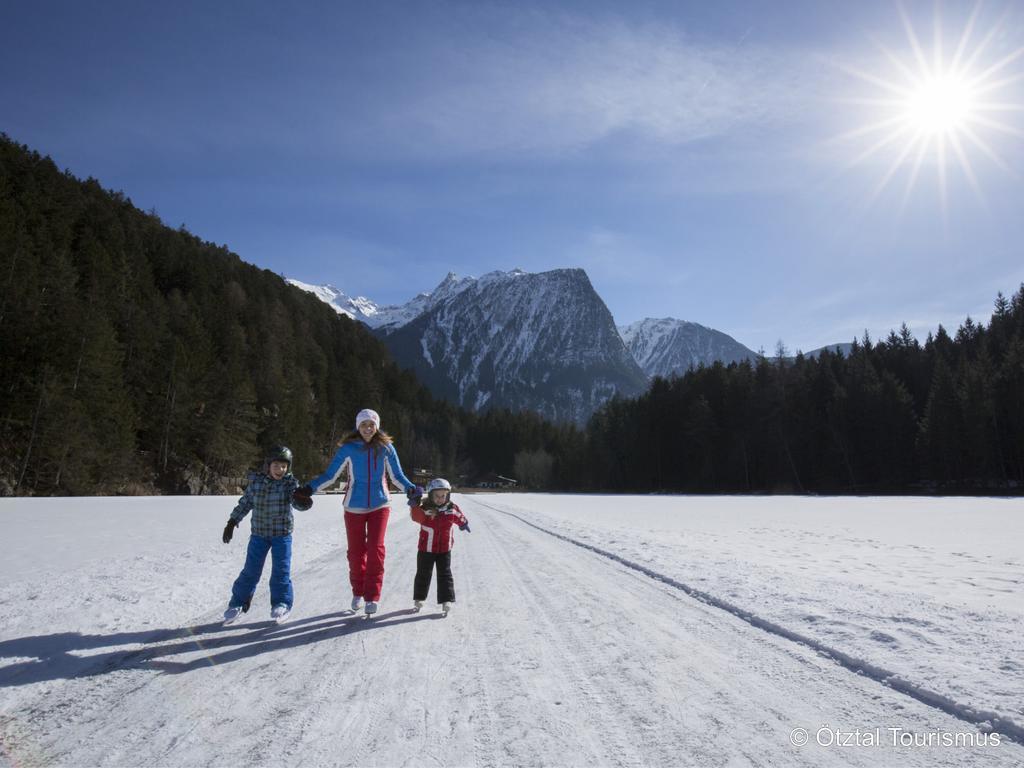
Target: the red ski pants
(366, 552)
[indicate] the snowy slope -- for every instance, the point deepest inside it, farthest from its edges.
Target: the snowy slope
(555, 655)
(669, 346)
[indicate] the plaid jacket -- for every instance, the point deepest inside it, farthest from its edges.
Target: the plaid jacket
(270, 502)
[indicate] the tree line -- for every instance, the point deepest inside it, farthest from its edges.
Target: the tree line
(137, 358)
(891, 416)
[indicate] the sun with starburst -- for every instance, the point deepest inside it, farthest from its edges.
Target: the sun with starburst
(930, 107)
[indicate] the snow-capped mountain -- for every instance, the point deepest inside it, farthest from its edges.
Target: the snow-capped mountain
(359, 308)
(669, 346)
(389, 317)
(544, 342)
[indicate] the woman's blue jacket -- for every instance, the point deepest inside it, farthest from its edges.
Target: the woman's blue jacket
(370, 469)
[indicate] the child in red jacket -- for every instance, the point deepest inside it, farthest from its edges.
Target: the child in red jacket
(437, 516)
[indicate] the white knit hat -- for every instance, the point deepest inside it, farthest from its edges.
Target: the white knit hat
(367, 415)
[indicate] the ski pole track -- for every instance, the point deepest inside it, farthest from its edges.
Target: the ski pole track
(514, 685)
(350, 736)
(975, 716)
(369, 719)
(639, 681)
(368, 740)
(478, 688)
(575, 681)
(293, 724)
(323, 719)
(642, 682)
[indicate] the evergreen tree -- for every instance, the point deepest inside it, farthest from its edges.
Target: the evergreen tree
(941, 434)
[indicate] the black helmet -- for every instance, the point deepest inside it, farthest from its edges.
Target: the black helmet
(280, 453)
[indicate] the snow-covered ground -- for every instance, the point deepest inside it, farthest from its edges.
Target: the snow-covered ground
(589, 630)
(930, 589)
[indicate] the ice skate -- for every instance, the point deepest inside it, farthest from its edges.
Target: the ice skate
(445, 607)
(357, 603)
(370, 608)
(417, 605)
(232, 613)
(280, 613)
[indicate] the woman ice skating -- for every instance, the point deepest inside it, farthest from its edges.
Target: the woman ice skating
(372, 461)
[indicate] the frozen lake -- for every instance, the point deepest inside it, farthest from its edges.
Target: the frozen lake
(604, 630)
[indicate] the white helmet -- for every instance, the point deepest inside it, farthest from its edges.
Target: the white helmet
(439, 484)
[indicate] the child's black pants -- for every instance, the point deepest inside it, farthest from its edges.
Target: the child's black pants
(425, 564)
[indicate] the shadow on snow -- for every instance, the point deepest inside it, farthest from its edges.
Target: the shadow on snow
(53, 657)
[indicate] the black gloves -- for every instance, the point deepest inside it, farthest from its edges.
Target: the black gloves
(302, 498)
(415, 495)
(229, 531)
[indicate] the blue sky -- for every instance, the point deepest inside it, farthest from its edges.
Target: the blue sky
(704, 161)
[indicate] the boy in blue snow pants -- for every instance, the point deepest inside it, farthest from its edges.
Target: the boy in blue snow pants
(270, 497)
(281, 592)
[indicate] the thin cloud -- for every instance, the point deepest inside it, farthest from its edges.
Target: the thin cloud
(565, 85)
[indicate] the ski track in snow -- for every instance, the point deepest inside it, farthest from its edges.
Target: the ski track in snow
(555, 654)
(987, 719)
(909, 585)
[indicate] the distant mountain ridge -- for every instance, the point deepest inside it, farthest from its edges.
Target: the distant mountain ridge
(843, 349)
(541, 341)
(666, 346)
(359, 308)
(391, 316)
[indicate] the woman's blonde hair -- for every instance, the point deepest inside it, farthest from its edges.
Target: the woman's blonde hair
(379, 440)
